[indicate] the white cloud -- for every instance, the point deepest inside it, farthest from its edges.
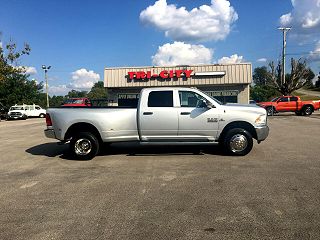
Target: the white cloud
(179, 53)
(262, 60)
(305, 16)
(205, 23)
(27, 70)
(231, 60)
(60, 90)
(315, 54)
(83, 79)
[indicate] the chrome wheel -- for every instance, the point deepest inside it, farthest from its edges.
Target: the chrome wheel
(238, 143)
(82, 146)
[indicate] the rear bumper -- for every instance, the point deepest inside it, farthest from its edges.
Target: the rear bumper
(49, 133)
(262, 133)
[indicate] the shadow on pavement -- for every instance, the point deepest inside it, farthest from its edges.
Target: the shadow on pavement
(128, 149)
(48, 149)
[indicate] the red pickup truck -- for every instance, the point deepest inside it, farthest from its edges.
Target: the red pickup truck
(290, 104)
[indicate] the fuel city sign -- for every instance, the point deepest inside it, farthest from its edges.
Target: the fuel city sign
(165, 74)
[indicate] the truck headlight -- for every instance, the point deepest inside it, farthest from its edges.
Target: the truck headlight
(261, 120)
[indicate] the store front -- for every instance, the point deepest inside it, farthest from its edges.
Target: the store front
(227, 83)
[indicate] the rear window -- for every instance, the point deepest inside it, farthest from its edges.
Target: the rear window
(160, 99)
(293, 99)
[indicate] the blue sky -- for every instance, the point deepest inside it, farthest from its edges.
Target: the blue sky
(80, 38)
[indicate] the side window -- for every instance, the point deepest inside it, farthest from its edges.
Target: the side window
(160, 99)
(189, 99)
(293, 99)
(37, 107)
(283, 99)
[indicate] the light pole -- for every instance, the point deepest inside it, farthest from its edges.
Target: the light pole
(45, 68)
(284, 44)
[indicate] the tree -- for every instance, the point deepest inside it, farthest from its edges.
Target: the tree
(15, 87)
(261, 93)
(261, 76)
(298, 77)
(76, 94)
(98, 91)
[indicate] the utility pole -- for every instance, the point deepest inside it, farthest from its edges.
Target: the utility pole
(284, 44)
(45, 68)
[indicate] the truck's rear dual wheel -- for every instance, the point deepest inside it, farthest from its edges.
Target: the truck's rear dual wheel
(84, 146)
(238, 142)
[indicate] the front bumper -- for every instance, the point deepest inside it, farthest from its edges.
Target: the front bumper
(49, 133)
(262, 133)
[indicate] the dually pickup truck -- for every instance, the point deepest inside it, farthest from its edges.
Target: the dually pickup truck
(290, 104)
(166, 116)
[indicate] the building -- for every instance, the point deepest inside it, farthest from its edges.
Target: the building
(227, 83)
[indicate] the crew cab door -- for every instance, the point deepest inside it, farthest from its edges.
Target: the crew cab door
(283, 104)
(158, 117)
(197, 122)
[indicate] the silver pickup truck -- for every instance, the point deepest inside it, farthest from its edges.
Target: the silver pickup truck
(167, 116)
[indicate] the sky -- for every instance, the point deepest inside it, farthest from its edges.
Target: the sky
(78, 39)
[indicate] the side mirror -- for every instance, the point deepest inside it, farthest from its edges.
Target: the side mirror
(209, 104)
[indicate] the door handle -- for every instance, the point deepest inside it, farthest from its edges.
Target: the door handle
(185, 113)
(147, 113)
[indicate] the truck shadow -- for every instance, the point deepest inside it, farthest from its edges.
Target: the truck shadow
(138, 150)
(128, 149)
(48, 149)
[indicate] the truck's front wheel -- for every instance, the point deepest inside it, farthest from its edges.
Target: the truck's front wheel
(84, 146)
(238, 142)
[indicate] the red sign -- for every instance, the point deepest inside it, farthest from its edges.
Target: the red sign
(163, 74)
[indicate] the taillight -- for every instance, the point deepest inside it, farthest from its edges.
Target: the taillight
(48, 120)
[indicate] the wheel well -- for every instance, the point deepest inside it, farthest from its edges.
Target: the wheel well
(82, 127)
(239, 124)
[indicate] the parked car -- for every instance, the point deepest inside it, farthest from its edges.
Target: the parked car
(290, 104)
(166, 116)
(77, 102)
(17, 112)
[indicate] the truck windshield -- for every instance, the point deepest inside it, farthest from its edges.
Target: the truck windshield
(74, 101)
(216, 100)
(275, 99)
(16, 108)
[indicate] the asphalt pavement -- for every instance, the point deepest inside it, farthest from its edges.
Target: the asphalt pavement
(130, 192)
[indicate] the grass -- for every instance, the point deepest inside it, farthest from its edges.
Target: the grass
(305, 97)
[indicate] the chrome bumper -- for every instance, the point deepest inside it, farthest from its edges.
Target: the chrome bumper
(49, 133)
(262, 133)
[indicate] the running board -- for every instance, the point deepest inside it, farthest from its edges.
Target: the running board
(178, 143)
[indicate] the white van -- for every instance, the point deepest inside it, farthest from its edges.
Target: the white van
(24, 111)
(35, 111)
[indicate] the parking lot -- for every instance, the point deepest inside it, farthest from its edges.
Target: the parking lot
(130, 192)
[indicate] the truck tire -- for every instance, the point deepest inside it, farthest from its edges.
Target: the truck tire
(270, 111)
(307, 110)
(84, 146)
(238, 142)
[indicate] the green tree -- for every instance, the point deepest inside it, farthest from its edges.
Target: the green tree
(15, 87)
(56, 101)
(76, 94)
(261, 93)
(98, 91)
(261, 76)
